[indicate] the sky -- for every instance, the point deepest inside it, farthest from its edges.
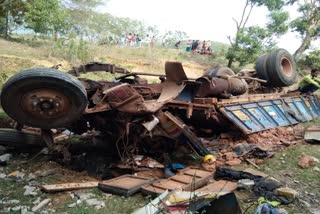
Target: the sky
(200, 19)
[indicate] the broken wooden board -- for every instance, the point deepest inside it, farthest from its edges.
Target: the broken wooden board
(221, 187)
(312, 134)
(124, 185)
(68, 186)
(188, 179)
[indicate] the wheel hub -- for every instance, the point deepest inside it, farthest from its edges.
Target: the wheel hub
(286, 66)
(45, 103)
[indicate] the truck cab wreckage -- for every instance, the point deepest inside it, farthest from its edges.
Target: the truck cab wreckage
(137, 118)
(177, 109)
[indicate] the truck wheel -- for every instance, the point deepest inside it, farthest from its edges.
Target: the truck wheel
(217, 72)
(12, 137)
(281, 68)
(44, 98)
(261, 68)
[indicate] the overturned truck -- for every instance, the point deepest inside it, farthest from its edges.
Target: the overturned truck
(178, 108)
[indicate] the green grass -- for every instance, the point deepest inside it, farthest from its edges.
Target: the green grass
(113, 205)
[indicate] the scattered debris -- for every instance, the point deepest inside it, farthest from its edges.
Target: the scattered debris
(16, 175)
(17, 208)
(139, 163)
(96, 203)
(13, 201)
(4, 159)
(154, 206)
(234, 162)
(305, 161)
(24, 209)
(30, 190)
(245, 183)
(37, 201)
(266, 208)
(31, 176)
(316, 169)
(291, 193)
(2, 175)
(41, 205)
(253, 164)
(46, 172)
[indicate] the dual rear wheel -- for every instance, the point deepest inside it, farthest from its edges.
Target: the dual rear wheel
(44, 98)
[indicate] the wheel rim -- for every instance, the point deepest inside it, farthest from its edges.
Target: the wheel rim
(45, 103)
(286, 66)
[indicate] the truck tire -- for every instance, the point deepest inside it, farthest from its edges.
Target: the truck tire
(44, 98)
(281, 68)
(13, 137)
(261, 68)
(217, 72)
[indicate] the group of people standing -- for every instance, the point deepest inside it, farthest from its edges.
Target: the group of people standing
(196, 46)
(131, 40)
(134, 40)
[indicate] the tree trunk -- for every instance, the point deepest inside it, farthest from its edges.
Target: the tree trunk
(7, 19)
(304, 46)
(230, 62)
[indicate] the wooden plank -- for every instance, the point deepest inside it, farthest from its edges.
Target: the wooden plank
(124, 185)
(187, 179)
(168, 184)
(196, 172)
(220, 187)
(68, 186)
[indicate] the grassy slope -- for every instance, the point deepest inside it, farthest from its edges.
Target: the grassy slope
(16, 56)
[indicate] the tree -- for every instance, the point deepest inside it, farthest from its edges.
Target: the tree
(312, 59)
(171, 37)
(307, 25)
(46, 16)
(249, 42)
(82, 15)
(11, 10)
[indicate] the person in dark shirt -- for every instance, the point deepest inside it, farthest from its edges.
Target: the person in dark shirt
(177, 44)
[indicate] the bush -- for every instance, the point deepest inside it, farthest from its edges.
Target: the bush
(72, 50)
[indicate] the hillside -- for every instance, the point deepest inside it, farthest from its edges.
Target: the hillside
(16, 56)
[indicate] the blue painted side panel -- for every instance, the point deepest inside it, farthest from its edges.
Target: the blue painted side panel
(257, 116)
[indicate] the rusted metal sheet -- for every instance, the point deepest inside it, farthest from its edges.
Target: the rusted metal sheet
(96, 66)
(188, 179)
(175, 72)
(257, 116)
(249, 98)
(124, 185)
(193, 141)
